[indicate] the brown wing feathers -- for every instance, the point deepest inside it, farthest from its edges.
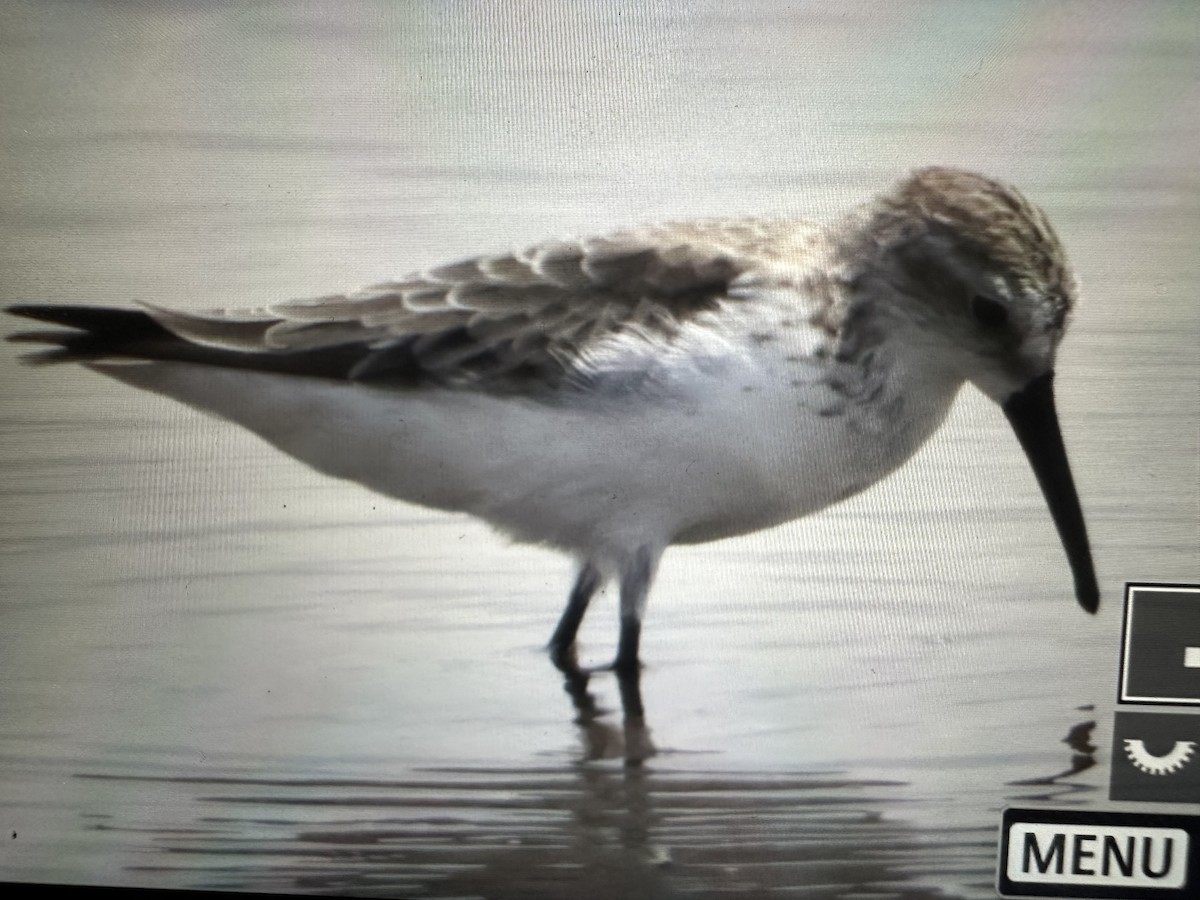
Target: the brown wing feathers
(493, 318)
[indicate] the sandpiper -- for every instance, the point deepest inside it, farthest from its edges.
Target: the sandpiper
(662, 385)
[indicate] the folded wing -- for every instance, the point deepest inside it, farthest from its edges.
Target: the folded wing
(486, 321)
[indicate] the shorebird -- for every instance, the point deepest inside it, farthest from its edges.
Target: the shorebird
(663, 385)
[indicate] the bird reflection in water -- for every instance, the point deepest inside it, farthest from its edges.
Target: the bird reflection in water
(601, 738)
(1083, 757)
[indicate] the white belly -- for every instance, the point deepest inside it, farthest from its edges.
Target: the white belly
(596, 479)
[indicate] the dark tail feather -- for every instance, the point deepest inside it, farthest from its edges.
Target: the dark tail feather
(102, 332)
(96, 332)
(95, 319)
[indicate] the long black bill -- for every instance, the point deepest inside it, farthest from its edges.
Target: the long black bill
(1032, 415)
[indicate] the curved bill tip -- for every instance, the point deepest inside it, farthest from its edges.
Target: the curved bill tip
(1033, 417)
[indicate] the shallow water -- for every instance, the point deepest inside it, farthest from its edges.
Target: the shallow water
(218, 669)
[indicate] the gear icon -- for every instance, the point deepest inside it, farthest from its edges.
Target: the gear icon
(1168, 764)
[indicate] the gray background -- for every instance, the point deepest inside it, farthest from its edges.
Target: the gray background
(219, 670)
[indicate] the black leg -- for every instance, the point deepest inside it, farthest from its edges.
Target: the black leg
(630, 685)
(626, 662)
(635, 585)
(562, 642)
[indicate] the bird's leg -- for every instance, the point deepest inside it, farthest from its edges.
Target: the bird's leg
(562, 642)
(630, 685)
(635, 585)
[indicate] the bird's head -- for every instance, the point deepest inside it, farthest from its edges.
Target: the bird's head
(979, 276)
(979, 270)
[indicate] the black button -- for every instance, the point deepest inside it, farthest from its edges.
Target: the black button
(1156, 757)
(1161, 649)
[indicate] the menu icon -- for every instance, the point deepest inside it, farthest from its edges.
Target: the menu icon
(1087, 854)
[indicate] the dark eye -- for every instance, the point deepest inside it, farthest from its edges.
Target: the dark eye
(989, 313)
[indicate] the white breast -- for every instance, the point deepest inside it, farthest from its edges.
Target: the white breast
(727, 443)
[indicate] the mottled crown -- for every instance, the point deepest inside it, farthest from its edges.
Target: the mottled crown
(992, 218)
